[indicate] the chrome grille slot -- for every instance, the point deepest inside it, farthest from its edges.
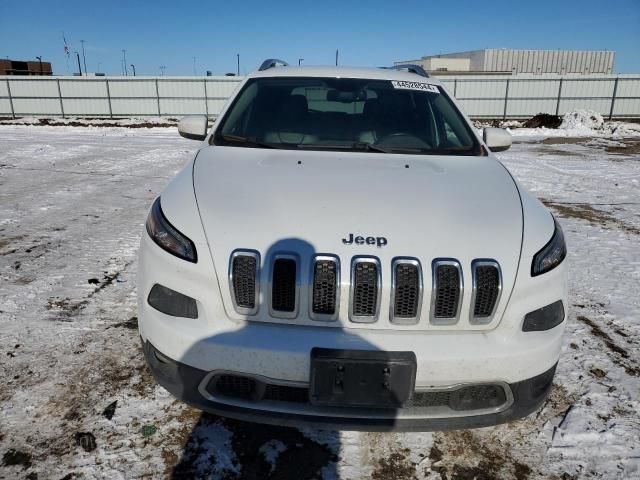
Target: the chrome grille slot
(406, 291)
(284, 286)
(447, 288)
(243, 280)
(487, 287)
(325, 287)
(365, 289)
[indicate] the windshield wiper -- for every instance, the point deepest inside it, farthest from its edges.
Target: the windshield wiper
(249, 142)
(353, 146)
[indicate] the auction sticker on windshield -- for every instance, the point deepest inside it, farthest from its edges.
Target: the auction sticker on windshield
(425, 87)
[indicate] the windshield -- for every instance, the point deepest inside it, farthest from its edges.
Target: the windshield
(346, 114)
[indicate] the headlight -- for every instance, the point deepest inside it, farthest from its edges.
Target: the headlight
(167, 237)
(551, 255)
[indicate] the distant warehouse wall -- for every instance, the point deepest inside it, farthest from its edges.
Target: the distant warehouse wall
(506, 60)
(482, 96)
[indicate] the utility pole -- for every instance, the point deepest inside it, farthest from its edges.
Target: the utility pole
(124, 62)
(40, 60)
(336, 57)
(300, 61)
(162, 67)
(238, 55)
(133, 67)
(84, 59)
(79, 67)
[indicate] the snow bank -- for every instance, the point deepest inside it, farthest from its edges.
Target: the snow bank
(581, 123)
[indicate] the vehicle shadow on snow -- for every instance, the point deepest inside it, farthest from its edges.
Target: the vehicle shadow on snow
(226, 448)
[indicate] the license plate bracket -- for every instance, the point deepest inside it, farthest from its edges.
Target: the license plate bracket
(361, 378)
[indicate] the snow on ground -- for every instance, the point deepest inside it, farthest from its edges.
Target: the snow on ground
(76, 398)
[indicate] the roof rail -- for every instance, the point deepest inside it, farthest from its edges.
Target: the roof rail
(411, 68)
(271, 63)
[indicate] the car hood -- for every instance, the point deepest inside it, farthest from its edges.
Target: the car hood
(427, 207)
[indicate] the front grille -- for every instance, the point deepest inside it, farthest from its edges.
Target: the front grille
(283, 285)
(486, 288)
(447, 289)
(325, 287)
(243, 272)
(406, 290)
(365, 286)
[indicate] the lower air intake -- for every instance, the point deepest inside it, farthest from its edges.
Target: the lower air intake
(283, 285)
(235, 386)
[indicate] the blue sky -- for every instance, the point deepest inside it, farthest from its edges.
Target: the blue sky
(370, 32)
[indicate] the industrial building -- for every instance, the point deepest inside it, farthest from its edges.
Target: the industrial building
(507, 61)
(21, 67)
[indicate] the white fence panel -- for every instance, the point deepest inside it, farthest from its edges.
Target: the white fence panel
(36, 106)
(628, 87)
(182, 106)
(5, 107)
(628, 108)
(185, 88)
(34, 88)
(133, 88)
(524, 108)
(131, 107)
(83, 88)
(489, 96)
(481, 88)
(533, 88)
(602, 106)
(588, 88)
(86, 106)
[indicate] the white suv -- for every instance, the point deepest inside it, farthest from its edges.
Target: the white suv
(345, 251)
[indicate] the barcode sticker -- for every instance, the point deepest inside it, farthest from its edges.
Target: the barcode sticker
(404, 85)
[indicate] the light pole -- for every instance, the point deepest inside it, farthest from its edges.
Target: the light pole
(162, 67)
(194, 66)
(84, 59)
(124, 62)
(40, 60)
(133, 67)
(79, 67)
(300, 61)
(238, 55)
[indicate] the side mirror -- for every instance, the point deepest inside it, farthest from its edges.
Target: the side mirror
(497, 139)
(193, 127)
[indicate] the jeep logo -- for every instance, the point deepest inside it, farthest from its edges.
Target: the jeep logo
(379, 241)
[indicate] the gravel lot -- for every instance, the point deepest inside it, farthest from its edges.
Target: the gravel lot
(76, 400)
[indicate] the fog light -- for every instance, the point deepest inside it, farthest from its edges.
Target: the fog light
(544, 318)
(477, 397)
(172, 303)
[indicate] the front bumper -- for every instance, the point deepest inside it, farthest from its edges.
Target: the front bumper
(186, 383)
